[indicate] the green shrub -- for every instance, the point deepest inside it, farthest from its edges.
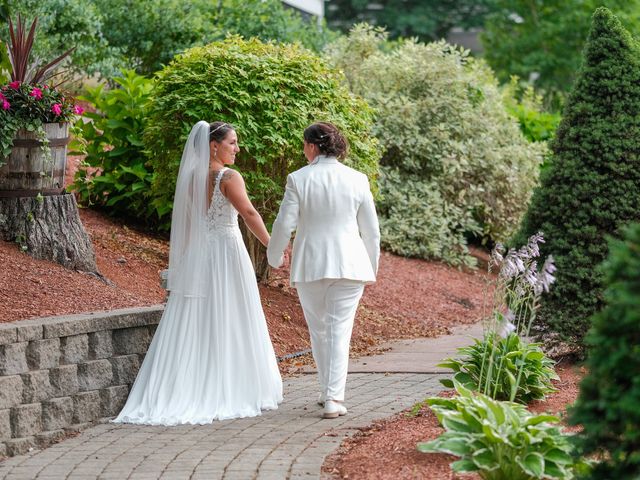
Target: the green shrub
(607, 406)
(416, 221)
(149, 33)
(500, 440)
(115, 172)
(271, 20)
(442, 121)
(592, 185)
(63, 24)
(527, 107)
(270, 93)
(517, 370)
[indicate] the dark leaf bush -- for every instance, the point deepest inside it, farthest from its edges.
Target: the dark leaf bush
(592, 185)
(609, 400)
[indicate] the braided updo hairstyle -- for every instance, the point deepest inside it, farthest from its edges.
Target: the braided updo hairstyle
(328, 138)
(219, 130)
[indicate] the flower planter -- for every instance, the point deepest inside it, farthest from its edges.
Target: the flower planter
(28, 172)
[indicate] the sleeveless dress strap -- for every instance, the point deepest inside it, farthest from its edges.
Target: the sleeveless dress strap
(219, 177)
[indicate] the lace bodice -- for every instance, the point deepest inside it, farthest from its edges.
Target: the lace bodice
(221, 214)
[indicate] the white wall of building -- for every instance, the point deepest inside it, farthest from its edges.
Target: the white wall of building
(312, 7)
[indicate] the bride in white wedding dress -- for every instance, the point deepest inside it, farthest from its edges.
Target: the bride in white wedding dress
(211, 357)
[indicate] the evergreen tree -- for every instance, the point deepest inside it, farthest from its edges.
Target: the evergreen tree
(592, 186)
(610, 393)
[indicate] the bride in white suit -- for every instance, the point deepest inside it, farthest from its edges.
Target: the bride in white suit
(335, 252)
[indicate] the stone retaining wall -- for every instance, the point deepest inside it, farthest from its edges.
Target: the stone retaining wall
(62, 374)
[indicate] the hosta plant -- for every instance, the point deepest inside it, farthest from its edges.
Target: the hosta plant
(500, 440)
(504, 368)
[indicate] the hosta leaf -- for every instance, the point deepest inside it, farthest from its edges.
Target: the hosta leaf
(537, 419)
(447, 382)
(464, 465)
(532, 464)
(558, 456)
(456, 425)
(455, 446)
(553, 470)
(485, 459)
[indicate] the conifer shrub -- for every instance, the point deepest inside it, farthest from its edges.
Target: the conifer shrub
(592, 184)
(607, 406)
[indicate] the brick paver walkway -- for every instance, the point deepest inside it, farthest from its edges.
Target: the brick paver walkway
(289, 443)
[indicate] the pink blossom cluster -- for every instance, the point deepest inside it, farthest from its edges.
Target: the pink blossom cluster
(5, 104)
(37, 93)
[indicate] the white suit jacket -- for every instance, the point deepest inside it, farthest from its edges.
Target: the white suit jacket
(330, 207)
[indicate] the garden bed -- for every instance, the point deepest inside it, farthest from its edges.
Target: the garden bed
(387, 449)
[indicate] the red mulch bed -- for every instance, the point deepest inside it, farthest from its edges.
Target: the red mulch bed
(386, 450)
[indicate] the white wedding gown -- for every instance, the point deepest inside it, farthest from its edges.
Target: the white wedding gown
(211, 358)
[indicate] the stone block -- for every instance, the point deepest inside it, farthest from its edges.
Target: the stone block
(57, 413)
(45, 439)
(113, 399)
(94, 375)
(86, 406)
(20, 446)
(8, 333)
(36, 386)
(43, 354)
(10, 391)
(64, 326)
(64, 380)
(5, 424)
(78, 427)
(13, 358)
(29, 330)
(131, 340)
(4, 452)
(125, 368)
(75, 348)
(26, 420)
(100, 344)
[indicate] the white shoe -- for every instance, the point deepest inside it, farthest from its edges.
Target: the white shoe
(333, 409)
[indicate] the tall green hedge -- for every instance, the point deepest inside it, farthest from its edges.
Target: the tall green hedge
(270, 92)
(607, 406)
(592, 185)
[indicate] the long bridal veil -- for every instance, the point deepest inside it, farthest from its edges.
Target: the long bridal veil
(189, 218)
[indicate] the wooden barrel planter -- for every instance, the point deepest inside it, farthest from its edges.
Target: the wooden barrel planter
(28, 172)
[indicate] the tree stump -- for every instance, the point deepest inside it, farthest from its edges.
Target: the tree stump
(48, 228)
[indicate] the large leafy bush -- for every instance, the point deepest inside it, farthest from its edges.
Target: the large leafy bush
(149, 33)
(607, 406)
(500, 440)
(592, 185)
(70, 23)
(115, 171)
(270, 93)
(442, 122)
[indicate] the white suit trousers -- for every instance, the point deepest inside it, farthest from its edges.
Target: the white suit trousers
(329, 307)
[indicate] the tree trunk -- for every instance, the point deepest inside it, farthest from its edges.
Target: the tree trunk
(257, 253)
(48, 228)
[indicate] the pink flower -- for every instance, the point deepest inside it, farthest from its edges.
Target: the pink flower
(15, 85)
(5, 105)
(57, 108)
(36, 93)
(78, 110)
(2, 97)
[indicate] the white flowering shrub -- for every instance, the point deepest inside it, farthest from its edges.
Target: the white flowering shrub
(442, 123)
